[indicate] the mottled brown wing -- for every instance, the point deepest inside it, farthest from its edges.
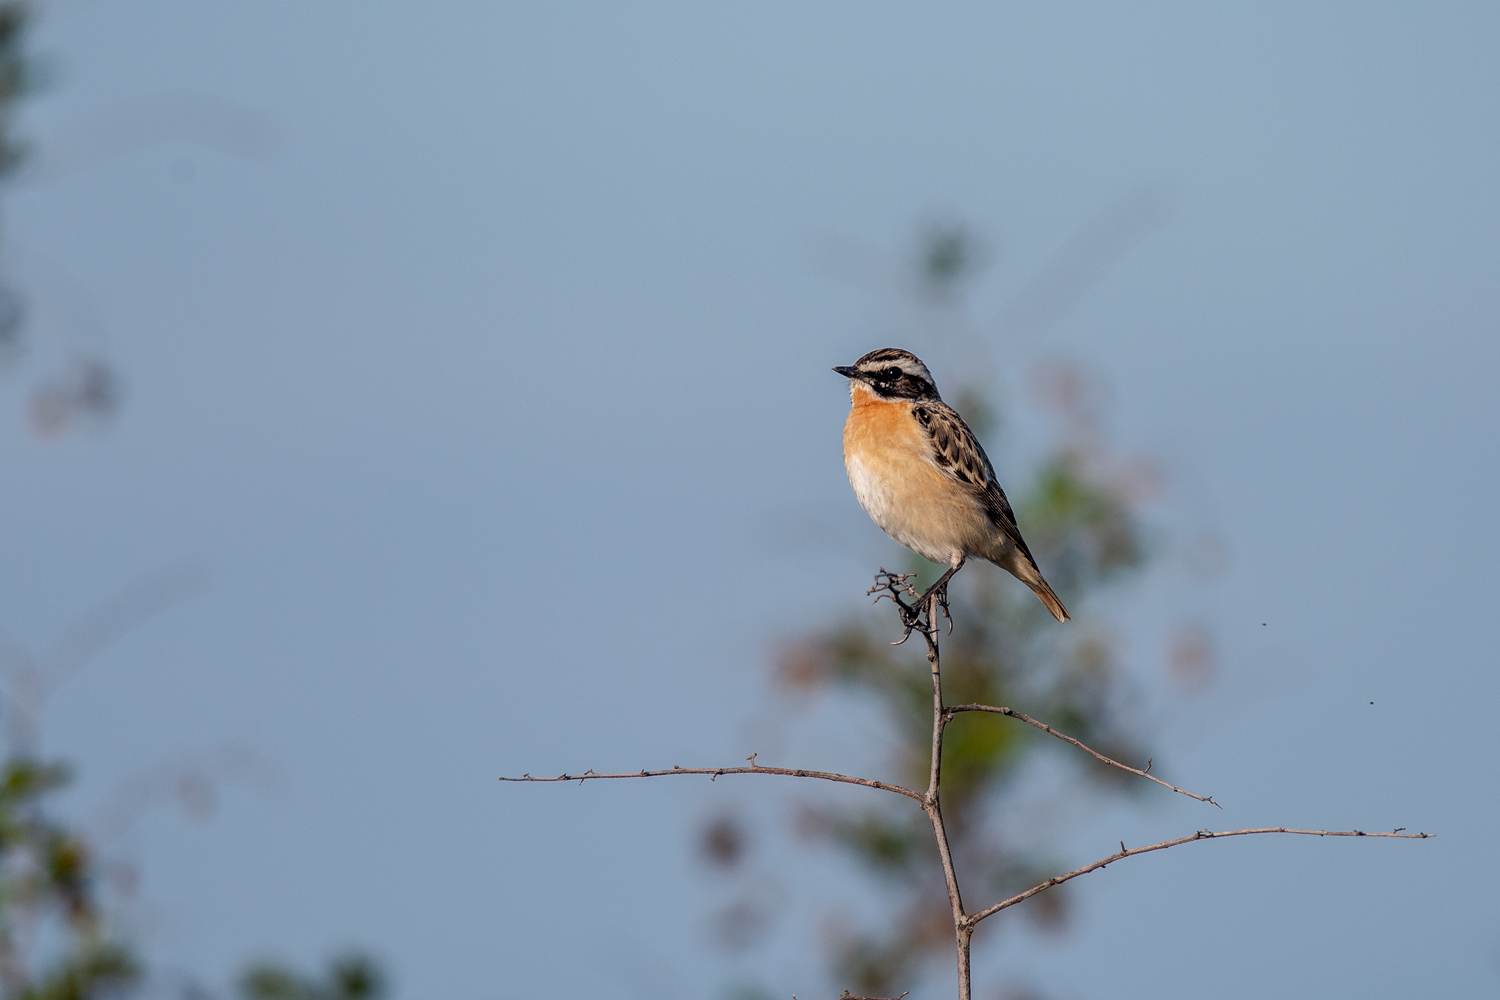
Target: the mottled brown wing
(957, 451)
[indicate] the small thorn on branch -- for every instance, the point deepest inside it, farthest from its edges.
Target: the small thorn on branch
(751, 759)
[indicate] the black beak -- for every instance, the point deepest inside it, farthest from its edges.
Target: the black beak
(847, 372)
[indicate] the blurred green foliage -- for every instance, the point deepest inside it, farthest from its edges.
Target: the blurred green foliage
(18, 77)
(55, 940)
(353, 976)
(949, 256)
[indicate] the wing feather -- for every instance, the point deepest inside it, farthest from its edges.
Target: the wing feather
(958, 452)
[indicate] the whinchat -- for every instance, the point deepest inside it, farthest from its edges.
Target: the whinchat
(922, 476)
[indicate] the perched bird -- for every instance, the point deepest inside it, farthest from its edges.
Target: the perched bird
(922, 476)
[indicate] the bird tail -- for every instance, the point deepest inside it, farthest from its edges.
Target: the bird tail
(1049, 598)
(1019, 564)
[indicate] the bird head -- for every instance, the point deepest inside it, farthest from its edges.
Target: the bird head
(891, 373)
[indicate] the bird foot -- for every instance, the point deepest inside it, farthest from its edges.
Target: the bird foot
(937, 597)
(919, 615)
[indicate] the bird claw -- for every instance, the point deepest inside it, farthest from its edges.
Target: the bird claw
(935, 598)
(942, 602)
(918, 616)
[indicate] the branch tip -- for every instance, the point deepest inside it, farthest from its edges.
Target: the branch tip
(974, 918)
(1012, 713)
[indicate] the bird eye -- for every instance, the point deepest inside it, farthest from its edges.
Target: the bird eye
(891, 373)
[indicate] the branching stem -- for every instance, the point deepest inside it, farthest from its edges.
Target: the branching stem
(921, 616)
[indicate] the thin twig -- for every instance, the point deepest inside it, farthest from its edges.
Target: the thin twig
(1002, 710)
(714, 772)
(974, 918)
(933, 805)
(962, 930)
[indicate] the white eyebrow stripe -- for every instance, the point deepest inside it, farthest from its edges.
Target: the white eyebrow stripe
(918, 369)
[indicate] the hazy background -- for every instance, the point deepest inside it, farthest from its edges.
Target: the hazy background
(446, 330)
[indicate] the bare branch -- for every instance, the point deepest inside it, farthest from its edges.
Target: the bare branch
(927, 605)
(974, 918)
(919, 615)
(932, 804)
(714, 772)
(1002, 710)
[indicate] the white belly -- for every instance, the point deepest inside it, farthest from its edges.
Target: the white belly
(910, 511)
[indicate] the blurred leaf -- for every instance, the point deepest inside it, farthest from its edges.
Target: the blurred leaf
(949, 255)
(97, 971)
(353, 976)
(723, 842)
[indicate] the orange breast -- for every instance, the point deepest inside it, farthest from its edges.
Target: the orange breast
(880, 426)
(888, 457)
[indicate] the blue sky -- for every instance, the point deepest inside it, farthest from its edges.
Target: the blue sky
(436, 325)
